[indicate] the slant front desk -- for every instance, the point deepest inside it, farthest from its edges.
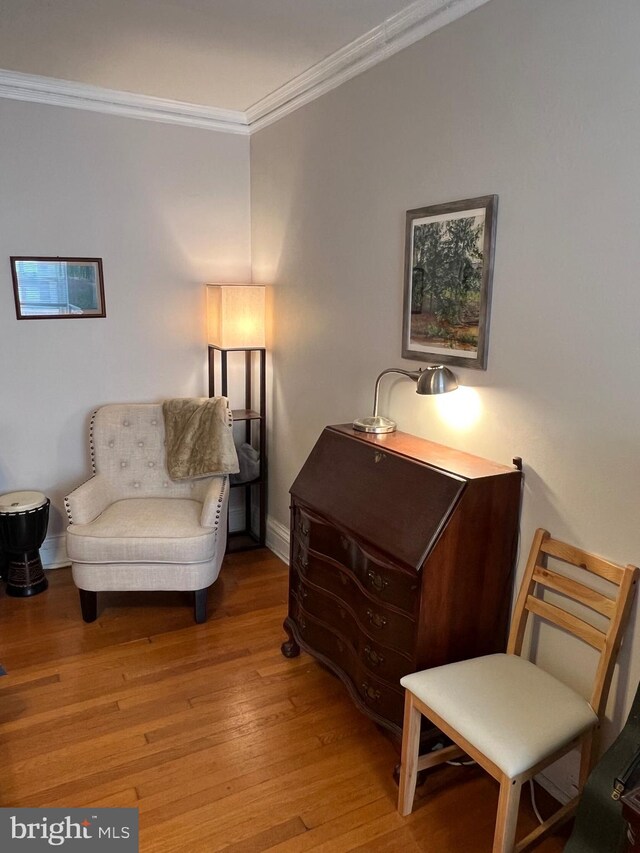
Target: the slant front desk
(402, 555)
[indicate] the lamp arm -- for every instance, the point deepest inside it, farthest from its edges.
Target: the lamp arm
(415, 375)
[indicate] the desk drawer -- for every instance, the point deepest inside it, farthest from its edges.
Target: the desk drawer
(380, 579)
(385, 699)
(354, 614)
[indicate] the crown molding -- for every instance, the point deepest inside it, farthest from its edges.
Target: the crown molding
(82, 96)
(397, 32)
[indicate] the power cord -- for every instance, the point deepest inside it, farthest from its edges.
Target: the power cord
(533, 802)
(455, 763)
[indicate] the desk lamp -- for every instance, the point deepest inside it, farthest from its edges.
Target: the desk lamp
(435, 379)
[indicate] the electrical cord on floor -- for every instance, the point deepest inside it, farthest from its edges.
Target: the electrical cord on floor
(533, 802)
(454, 763)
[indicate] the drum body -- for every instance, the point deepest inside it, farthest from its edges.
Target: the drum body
(24, 517)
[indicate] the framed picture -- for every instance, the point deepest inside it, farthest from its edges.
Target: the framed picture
(57, 288)
(447, 292)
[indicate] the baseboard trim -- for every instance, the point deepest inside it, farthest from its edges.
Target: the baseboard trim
(278, 539)
(53, 552)
(552, 788)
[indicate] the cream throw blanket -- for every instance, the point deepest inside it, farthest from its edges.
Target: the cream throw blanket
(198, 439)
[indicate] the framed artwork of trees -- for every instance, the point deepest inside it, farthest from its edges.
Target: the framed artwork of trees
(448, 270)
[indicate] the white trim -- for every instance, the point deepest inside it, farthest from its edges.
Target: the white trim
(82, 96)
(278, 539)
(53, 552)
(562, 793)
(397, 32)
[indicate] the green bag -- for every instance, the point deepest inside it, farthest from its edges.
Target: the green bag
(599, 826)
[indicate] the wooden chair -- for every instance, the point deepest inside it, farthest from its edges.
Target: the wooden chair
(508, 714)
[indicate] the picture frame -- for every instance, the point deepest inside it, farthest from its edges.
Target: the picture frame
(55, 288)
(449, 253)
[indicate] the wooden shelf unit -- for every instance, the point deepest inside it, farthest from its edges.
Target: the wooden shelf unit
(253, 535)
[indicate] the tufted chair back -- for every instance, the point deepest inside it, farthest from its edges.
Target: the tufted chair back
(128, 451)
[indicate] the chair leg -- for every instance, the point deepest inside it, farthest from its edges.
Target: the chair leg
(89, 604)
(587, 753)
(200, 605)
(410, 750)
(507, 819)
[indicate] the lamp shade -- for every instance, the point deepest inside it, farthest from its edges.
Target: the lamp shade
(436, 380)
(235, 316)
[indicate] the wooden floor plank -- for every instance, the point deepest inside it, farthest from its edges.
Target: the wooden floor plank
(219, 741)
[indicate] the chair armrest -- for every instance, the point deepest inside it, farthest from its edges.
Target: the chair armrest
(87, 501)
(214, 506)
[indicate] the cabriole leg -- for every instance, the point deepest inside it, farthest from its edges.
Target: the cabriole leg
(290, 648)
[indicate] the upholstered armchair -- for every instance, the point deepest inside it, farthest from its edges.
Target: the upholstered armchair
(133, 528)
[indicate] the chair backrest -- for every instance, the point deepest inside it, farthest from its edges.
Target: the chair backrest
(128, 450)
(613, 608)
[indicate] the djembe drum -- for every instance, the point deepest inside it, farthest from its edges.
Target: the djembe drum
(24, 517)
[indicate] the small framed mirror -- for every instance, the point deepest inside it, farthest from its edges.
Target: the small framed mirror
(56, 288)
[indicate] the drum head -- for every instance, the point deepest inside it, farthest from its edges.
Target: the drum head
(21, 501)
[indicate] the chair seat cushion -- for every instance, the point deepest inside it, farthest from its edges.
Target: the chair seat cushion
(513, 712)
(165, 530)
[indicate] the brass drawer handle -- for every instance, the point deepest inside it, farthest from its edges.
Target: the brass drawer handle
(370, 692)
(376, 619)
(377, 581)
(373, 657)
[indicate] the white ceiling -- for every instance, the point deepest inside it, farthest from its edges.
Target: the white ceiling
(228, 54)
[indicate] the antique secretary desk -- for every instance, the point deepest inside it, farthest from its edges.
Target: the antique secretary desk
(402, 554)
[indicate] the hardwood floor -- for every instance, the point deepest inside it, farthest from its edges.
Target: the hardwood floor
(219, 741)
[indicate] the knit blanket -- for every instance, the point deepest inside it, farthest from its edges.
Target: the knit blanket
(198, 438)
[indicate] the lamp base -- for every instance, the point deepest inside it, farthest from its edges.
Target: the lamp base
(376, 425)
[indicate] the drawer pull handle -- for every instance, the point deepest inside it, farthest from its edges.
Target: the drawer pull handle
(377, 581)
(303, 528)
(302, 559)
(302, 623)
(303, 592)
(376, 619)
(370, 692)
(373, 657)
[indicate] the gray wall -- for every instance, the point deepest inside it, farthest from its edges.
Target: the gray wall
(166, 208)
(534, 101)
